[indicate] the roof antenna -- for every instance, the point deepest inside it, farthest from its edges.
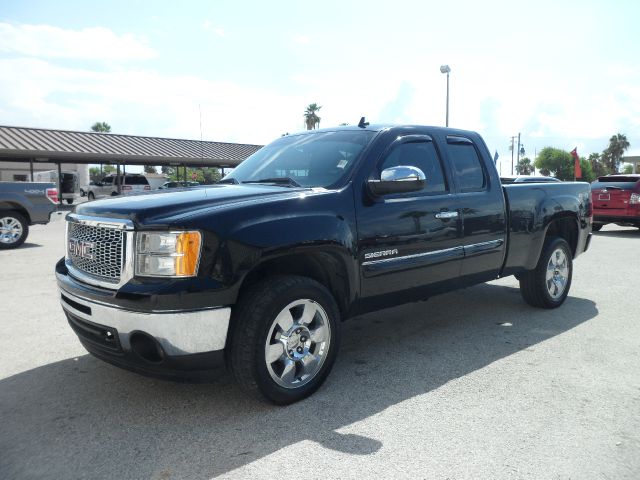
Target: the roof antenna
(362, 123)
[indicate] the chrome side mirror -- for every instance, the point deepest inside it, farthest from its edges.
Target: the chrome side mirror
(400, 179)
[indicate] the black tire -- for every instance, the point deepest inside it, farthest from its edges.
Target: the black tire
(539, 291)
(255, 329)
(69, 201)
(14, 229)
(597, 226)
(91, 196)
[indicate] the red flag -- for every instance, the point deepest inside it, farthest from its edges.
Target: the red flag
(576, 160)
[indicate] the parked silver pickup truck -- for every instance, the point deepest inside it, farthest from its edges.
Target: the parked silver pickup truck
(23, 204)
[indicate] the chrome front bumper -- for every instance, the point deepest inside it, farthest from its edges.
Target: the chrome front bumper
(179, 333)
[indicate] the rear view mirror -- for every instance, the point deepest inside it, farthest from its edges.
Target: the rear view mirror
(400, 179)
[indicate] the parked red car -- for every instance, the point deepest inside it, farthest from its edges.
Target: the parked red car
(616, 199)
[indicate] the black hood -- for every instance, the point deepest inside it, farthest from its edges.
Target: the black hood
(168, 207)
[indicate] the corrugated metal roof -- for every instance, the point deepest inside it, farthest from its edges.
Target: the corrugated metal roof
(91, 147)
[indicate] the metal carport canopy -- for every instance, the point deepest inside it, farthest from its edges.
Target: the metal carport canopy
(64, 146)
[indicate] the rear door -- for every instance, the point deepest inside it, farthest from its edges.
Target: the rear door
(410, 244)
(482, 207)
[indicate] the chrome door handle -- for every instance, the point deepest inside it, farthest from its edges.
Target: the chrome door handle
(446, 215)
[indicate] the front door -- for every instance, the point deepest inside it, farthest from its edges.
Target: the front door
(410, 244)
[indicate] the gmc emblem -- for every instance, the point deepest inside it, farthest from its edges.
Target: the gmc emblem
(81, 249)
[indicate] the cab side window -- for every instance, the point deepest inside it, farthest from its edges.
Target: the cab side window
(467, 166)
(422, 155)
(107, 180)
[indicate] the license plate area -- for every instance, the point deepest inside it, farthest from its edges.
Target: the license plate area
(604, 196)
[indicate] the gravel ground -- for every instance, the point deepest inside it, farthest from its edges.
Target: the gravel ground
(472, 384)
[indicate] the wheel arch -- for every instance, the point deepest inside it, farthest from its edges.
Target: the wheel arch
(327, 268)
(16, 207)
(567, 227)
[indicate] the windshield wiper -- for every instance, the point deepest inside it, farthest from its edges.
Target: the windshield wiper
(277, 180)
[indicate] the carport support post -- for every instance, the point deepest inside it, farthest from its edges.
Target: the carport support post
(59, 183)
(31, 168)
(118, 177)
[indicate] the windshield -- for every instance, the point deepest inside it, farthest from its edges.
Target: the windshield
(314, 160)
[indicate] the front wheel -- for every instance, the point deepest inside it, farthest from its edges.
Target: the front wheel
(69, 201)
(547, 286)
(597, 226)
(91, 196)
(14, 229)
(285, 338)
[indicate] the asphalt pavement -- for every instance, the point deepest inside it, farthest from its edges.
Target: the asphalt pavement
(474, 384)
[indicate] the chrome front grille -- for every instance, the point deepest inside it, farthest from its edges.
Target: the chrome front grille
(101, 253)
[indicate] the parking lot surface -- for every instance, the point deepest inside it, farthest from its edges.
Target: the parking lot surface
(472, 384)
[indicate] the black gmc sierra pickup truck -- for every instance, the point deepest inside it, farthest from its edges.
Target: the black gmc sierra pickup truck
(258, 272)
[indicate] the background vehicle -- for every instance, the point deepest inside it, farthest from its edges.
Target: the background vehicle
(176, 184)
(23, 204)
(507, 179)
(70, 185)
(616, 199)
(108, 186)
(258, 271)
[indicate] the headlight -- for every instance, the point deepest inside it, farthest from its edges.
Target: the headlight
(168, 254)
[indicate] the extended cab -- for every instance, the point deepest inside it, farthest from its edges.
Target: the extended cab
(23, 204)
(258, 272)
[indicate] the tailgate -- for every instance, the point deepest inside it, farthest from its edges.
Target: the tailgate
(611, 199)
(612, 193)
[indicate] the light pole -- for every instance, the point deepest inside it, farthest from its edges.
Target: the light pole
(446, 69)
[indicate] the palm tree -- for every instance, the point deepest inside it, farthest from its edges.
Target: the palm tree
(612, 155)
(102, 127)
(311, 120)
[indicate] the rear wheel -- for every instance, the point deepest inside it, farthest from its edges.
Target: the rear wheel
(285, 338)
(91, 196)
(69, 201)
(547, 286)
(14, 229)
(596, 227)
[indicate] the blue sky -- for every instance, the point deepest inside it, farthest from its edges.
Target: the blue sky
(563, 74)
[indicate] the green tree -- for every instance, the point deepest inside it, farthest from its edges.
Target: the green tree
(556, 162)
(524, 166)
(206, 176)
(627, 169)
(150, 169)
(560, 164)
(588, 175)
(102, 127)
(612, 155)
(597, 166)
(311, 119)
(168, 170)
(95, 175)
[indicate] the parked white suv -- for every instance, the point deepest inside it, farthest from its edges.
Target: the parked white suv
(108, 186)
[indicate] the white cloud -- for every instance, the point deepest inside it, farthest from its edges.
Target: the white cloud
(89, 43)
(302, 39)
(142, 103)
(208, 25)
